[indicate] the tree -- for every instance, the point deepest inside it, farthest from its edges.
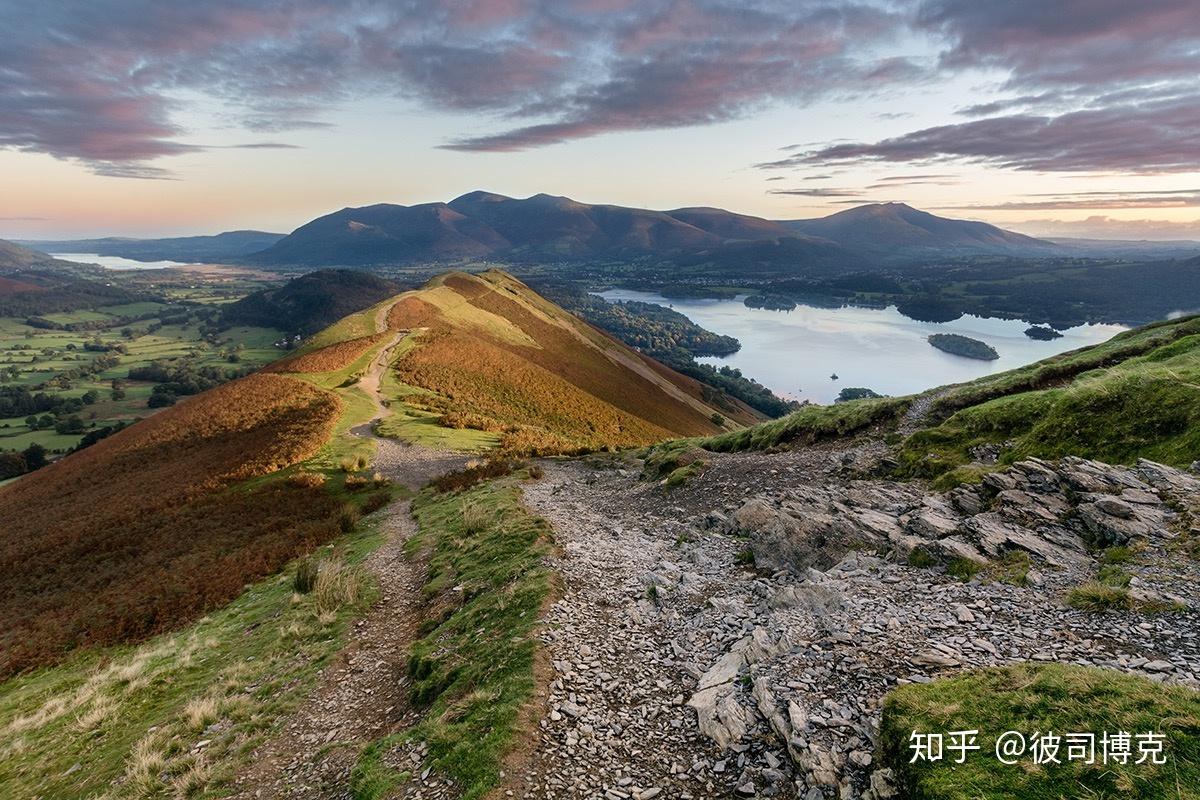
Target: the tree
(90, 396)
(70, 425)
(35, 457)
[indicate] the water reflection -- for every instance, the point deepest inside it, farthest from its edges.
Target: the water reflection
(795, 352)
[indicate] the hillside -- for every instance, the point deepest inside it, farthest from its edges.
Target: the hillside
(484, 353)
(15, 258)
(310, 302)
(753, 596)
(896, 229)
(477, 361)
(384, 234)
(36, 290)
(219, 247)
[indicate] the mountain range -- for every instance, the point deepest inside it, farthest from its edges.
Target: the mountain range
(486, 225)
(546, 227)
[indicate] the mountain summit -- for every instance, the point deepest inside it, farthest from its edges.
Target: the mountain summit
(898, 228)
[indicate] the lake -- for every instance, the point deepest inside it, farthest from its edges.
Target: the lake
(794, 353)
(116, 262)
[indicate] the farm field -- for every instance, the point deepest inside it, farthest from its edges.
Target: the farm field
(57, 357)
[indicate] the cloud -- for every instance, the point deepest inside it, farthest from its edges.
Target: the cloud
(264, 146)
(1078, 86)
(105, 82)
(1072, 46)
(1083, 85)
(1151, 138)
(825, 192)
(1171, 198)
(1103, 227)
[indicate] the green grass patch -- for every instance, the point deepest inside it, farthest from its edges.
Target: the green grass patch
(1138, 398)
(1042, 698)
(1099, 596)
(681, 475)
(471, 671)
(126, 721)
(411, 424)
(812, 423)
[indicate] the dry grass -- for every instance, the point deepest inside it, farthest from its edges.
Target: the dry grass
(101, 558)
(337, 586)
(475, 517)
(327, 359)
(307, 480)
(200, 712)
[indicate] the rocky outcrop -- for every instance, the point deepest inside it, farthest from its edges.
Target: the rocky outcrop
(1053, 512)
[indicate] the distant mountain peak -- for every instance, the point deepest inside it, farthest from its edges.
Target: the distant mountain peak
(898, 229)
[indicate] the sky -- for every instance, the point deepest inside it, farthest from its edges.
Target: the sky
(149, 118)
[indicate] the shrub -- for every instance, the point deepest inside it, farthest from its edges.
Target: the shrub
(307, 480)
(470, 476)
(963, 568)
(337, 586)
(922, 559)
(376, 501)
(356, 482)
(1116, 555)
(475, 517)
(348, 518)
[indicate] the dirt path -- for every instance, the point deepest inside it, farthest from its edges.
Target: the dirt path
(615, 719)
(361, 695)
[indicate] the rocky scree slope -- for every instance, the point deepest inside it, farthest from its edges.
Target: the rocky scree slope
(738, 635)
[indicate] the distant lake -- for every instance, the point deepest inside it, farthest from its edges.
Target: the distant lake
(116, 262)
(794, 353)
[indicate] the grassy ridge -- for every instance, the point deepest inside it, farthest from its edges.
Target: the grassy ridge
(1137, 396)
(809, 425)
(472, 669)
(494, 357)
(1029, 698)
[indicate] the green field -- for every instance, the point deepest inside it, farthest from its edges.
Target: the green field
(42, 360)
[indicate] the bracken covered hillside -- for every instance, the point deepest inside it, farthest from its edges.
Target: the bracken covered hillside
(488, 353)
(147, 529)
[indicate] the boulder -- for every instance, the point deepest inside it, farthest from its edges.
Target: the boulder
(1108, 529)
